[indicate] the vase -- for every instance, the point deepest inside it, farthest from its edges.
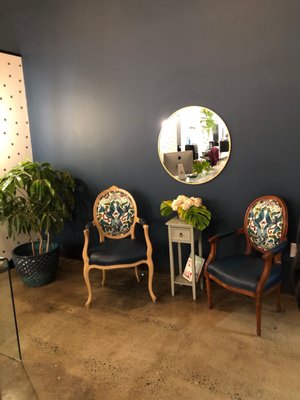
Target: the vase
(180, 218)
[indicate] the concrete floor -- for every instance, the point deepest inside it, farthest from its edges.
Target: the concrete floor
(126, 347)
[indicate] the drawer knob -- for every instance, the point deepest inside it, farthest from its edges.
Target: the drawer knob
(180, 234)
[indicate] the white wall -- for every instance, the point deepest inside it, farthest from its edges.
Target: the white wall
(15, 142)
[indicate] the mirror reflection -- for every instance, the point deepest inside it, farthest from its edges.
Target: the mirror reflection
(194, 145)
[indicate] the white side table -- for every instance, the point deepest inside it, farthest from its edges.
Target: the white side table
(181, 232)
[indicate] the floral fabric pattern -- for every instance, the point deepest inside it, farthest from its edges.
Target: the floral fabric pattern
(115, 213)
(265, 224)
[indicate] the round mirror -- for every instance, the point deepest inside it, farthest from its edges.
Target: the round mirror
(194, 145)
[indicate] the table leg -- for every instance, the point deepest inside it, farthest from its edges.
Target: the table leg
(179, 258)
(193, 270)
(171, 255)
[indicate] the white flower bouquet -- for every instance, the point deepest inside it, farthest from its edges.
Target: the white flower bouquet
(189, 209)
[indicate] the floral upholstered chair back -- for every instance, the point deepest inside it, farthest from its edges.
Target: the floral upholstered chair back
(266, 223)
(115, 213)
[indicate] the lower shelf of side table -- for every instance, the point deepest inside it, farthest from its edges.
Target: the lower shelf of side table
(180, 280)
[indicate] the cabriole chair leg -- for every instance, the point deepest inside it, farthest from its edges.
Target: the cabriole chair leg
(258, 317)
(86, 276)
(103, 277)
(150, 280)
(208, 290)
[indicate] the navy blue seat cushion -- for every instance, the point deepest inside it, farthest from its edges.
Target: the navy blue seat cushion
(243, 272)
(122, 251)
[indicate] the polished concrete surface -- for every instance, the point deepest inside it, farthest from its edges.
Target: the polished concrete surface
(126, 347)
(15, 384)
(9, 345)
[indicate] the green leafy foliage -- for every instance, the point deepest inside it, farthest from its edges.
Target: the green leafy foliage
(209, 121)
(201, 166)
(36, 198)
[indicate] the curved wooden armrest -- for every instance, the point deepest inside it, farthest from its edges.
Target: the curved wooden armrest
(214, 240)
(86, 234)
(276, 250)
(89, 225)
(223, 235)
(146, 234)
(268, 261)
(220, 236)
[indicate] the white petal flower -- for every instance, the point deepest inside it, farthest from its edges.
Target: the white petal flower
(196, 201)
(174, 205)
(181, 199)
(187, 204)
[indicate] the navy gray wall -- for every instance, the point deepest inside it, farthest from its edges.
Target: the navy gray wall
(101, 75)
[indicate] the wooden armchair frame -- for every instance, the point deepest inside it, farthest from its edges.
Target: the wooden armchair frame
(103, 235)
(270, 257)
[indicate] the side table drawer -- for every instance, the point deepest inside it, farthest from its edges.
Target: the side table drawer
(180, 234)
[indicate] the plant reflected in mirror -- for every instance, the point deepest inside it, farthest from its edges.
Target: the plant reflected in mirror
(194, 145)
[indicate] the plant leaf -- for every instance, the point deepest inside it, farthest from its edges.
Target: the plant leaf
(34, 197)
(198, 217)
(165, 208)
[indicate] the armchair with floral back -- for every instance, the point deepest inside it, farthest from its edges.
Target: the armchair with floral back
(115, 218)
(258, 271)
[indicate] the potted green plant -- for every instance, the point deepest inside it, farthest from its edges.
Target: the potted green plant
(36, 199)
(201, 167)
